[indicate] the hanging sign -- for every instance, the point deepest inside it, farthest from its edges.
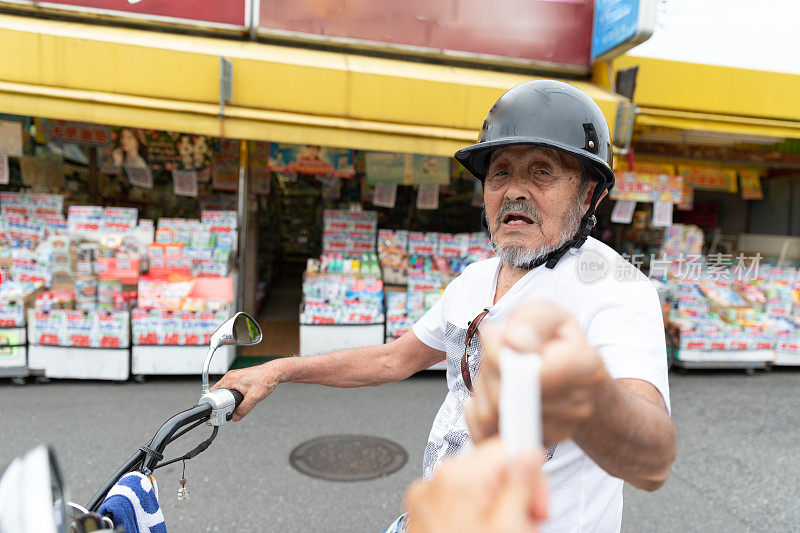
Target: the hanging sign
(226, 153)
(750, 183)
(11, 138)
(184, 183)
(260, 182)
(37, 171)
(408, 169)
(662, 214)
(204, 175)
(688, 199)
(78, 132)
(619, 25)
(225, 178)
(385, 195)
(647, 187)
(623, 211)
(139, 176)
(259, 167)
(311, 159)
(331, 188)
(709, 178)
(428, 196)
(4, 171)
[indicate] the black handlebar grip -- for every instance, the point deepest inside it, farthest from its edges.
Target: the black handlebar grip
(237, 396)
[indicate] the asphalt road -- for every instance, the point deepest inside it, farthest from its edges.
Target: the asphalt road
(737, 468)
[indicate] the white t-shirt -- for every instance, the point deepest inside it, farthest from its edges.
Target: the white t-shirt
(618, 309)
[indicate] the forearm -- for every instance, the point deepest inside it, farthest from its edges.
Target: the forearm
(629, 437)
(354, 367)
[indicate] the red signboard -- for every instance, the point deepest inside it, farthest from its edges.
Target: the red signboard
(551, 32)
(213, 13)
(79, 132)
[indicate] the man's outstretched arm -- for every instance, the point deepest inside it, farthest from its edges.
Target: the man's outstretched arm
(355, 367)
(622, 424)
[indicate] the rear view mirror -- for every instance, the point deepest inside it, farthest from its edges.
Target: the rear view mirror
(245, 330)
(241, 329)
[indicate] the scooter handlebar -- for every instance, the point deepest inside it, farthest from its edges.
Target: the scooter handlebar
(237, 396)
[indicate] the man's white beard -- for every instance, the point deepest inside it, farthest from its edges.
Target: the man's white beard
(519, 256)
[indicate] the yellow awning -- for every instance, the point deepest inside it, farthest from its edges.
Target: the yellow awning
(708, 98)
(736, 92)
(121, 76)
(730, 127)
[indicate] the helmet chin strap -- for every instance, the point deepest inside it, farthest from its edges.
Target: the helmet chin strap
(584, 229)
(588, 222)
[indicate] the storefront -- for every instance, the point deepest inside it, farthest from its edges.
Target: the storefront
(193, 149)
(707, 184)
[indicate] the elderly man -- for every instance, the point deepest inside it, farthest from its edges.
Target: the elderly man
(544, 160)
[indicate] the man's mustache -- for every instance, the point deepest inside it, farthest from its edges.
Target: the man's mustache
(522, 208)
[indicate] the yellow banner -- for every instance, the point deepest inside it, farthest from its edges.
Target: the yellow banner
(750, 183)
(621, 165)
(647, 187)
(709, 178)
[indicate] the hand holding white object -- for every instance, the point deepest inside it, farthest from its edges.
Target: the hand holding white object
(572, 373)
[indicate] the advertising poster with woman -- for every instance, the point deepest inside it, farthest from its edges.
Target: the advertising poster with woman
(158, 150)
(311, 159)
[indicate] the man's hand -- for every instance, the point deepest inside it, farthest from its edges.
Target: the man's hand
(255, 383)
(481, 492)
(573, 374)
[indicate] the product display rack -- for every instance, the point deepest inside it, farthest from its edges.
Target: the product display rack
(786, 359)
(178, 360)
(68, 362)
(174, 359)
(724, 359)
(323, 338)
(14, 354)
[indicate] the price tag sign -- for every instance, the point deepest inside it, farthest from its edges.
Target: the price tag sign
(184, 183)
(139, 176)
(385, 195)
(428, 196)
(623, 211)
(662, 214)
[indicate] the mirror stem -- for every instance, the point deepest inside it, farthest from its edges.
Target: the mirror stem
(206, 366)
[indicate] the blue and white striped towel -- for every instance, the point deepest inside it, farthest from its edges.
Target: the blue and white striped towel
(133, 503)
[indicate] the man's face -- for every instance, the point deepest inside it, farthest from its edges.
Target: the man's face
(531, 197)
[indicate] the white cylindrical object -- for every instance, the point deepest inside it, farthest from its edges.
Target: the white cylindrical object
(520, 400)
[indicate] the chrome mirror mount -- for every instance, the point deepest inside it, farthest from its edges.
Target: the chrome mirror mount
(241, 330)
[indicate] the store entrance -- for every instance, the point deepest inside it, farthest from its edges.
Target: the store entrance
(278, 315)
(289, 231)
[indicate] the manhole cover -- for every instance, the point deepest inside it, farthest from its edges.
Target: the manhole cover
(348, 457)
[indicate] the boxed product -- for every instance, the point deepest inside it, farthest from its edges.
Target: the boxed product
(349, 232)
(77, 328)
(423, 244)
(31, 204)
(183, 328)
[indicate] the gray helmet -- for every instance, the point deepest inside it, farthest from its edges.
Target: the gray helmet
(551, 114)
(547, 113)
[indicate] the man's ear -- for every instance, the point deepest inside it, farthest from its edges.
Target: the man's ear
(605, 193)
(588, 199)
